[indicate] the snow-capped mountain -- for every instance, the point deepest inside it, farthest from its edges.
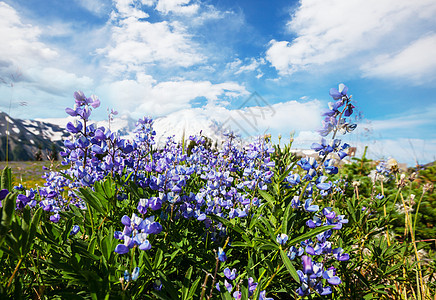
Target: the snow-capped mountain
(180, 124)
(26, 139)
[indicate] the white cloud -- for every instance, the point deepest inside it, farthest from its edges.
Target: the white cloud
(20, 44)
(330, 31)
(416, 62)
(42, 74)
(280, 118)
(146, 96)
(177, 7)
(97, 7)
(128, 9)
(136, 43)
(305, 138)
(413, 124)
(404, 150)
(53, 80)
(252, 65)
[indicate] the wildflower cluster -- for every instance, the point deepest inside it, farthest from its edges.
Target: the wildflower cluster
(130, 197)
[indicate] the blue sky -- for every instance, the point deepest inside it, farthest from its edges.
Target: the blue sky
(206, 58)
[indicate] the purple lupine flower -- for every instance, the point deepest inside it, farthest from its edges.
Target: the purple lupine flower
(124, 248)
(330, 276)
(126, 276)
(94, 101)
(282, 239)
(55, 218)
(71, 112)
(221, 255)
(315, 222)
(74, 129)
(3, 194)
(317, 250)
(74, 230)
(22, 201)
(251, 286)
(230, 274)
(157, 285)
(237, 295)
(262, 296)
(142, 206)
(307, 264)
(309, 207)
(142, 241)
(135, 273)
(339, 254)
(339, 93)
(349, 111)
(228, 286)
(293, 252)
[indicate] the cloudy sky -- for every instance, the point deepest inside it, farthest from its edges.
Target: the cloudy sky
(258, 65)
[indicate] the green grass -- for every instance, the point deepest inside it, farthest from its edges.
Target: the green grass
(29, 173)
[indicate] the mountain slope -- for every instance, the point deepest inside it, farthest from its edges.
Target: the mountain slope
(27, 139)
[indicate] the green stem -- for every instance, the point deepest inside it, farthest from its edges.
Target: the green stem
(15, 271)
(417, 209)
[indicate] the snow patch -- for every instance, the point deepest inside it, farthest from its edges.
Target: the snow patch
(34, 130)
(30, 123)
(9, 120)
(52, 135)
(16, 129)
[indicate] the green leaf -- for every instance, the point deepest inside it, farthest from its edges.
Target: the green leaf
(158, 258)
(268, 246)
(168, 286)
(268, 197)
(33, 227)
(106, 245)
(244, 292)
(289, 266)
(226, 296)
(87, 195)
(286, 218)
(235, 227)
(8, 211)
(186, 282)
(67, 229)
(267, 224)
(193, 288)
(6, 179)
(310, 234)
(92, 244)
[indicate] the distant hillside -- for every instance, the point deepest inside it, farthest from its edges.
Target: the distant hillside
(29, 140)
